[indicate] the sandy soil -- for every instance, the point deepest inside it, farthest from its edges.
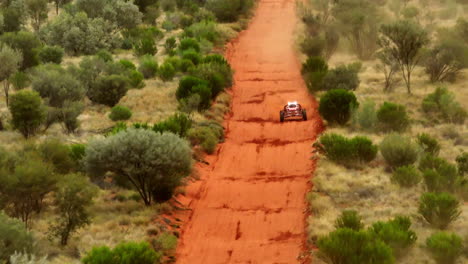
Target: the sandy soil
(249, 205)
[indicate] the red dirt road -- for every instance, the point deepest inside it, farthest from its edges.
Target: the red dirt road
(249, 206)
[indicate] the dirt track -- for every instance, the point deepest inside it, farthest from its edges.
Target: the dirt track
(249, 206)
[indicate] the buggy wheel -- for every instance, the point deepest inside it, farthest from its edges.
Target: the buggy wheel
(281, 116)
(304, 115)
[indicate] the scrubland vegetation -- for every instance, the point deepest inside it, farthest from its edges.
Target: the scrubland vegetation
(106, 106)
(390, 184)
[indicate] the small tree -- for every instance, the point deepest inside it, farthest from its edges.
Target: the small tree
(27, 112)
(51, 54)
(439, 209)
(445, 248)
(25, 42)
(11, 60)
(37, 10)
(73, 197)
(388, 66)
(153, 163)
(60, 3)
(26, 187)
(13, 238)
(403, 41)
(336, 106)
(108, 90)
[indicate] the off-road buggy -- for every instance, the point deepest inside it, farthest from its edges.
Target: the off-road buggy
(291, 110)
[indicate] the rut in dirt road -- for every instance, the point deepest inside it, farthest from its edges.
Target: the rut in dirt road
(249, 206)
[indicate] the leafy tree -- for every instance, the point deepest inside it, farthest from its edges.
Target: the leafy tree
(73, 197)
(403, 41)
(13, 237)
(78, 34)
(153, 163)
(60, 3)
(51, 54)
(25, 42)
(439, 209)
(27, 112)
(13, 19)
(346, 245)
(25, 186)
(358, 21)
(123, 14)
(336, 106)
(109, 89)
(10, 62)
(444, 247)
(37, 10)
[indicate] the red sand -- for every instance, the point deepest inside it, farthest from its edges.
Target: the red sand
(249, 206)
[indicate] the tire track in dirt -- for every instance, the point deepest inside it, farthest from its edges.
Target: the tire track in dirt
(249, 206)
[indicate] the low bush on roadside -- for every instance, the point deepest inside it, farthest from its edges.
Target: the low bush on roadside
(392, 117)
(439, 209)
(348, 152)
(349, 219)
(365, 117)
(396, 233)
(148, 66)
(346, 245)
(229, 10)
(123, 253)
(406, 176)
(342, 77)
(444, 247)
(399, 150)
(178, 124)
(428, 144)
(313, 72)
(218, 76)
(203, 136)
(189, 85)
(120, 112)
(337, 105)
(441, 104)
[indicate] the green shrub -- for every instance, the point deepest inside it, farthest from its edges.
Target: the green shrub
(120, 112)
(51, 54)
(136, 78)
(170, 45)
(20, 80)
(166, 241)
(341, 77)
(218, 76)
(444, 247)
(77, 151)
(365, 117)
(428, 144)
(57, 154)
(27, 111)
(166, 72)
(347, 152)
(105, 55)
(392, 117)
(192, 55)
(109, 89)
(443, 176)
(462, 162)
(189, 85)
(203, 30)
(175, 61)
(336, 106)
(13, 237)
(145, 46)
(406, 176)
(127, 64)
(439, 209)
(345, 245)
(313, 72)
(123, 253)
(313, 46)
(186, 65)
(148, 66)
(349, 219)
(441, 104)
(398, 150)
(178, 124)
(189, 44)
(395, 233)
(203, 136)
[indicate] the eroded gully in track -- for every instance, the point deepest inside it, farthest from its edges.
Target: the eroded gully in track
(249, 206)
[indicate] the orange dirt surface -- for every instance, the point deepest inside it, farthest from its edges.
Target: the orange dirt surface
(249, 206)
